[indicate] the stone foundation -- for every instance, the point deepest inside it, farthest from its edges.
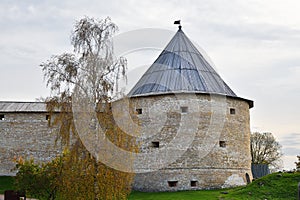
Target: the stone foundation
(190, 179)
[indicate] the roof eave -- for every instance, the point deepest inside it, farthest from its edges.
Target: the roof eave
(250, 102)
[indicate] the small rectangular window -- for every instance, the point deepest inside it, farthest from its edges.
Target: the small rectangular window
(232, 111)
(184, 109)
(222, 144)
(155, 144)
(172, 183)
(139, 111)
(2, 117)
(47, 117)
(194, 183)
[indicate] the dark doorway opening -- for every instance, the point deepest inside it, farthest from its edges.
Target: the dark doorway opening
(248, 178)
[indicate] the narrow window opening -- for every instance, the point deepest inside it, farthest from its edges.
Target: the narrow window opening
(172, 183)
(184, 109)
(2, 117)
(222, 144)
(194, 183)
(232, 111)
(155, 144)
(47, 117)
(139, 111)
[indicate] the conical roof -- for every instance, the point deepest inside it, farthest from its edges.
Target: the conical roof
(180, 68)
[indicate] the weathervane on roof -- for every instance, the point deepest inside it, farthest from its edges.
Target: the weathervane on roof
(178, 22)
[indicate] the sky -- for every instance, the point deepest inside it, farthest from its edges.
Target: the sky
(254, 45)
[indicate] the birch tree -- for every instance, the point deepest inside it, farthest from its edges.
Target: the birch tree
(93, 69)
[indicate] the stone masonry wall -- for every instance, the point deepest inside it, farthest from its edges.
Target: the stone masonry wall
(208, 135)
(219, 154)
(27, 135)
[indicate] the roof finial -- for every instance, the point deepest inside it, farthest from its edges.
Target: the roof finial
(178, 22)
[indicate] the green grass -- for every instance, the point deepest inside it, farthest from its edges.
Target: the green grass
(274, 186)
(190, 195)
(6, 183)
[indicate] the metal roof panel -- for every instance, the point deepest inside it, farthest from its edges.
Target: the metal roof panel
(6, 106)
(180, 67)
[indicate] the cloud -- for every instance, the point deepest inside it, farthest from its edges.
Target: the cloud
(290, 144)
(291, 138)
(257, 31)
(291, 151)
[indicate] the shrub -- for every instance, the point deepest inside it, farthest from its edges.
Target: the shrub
(37, 180)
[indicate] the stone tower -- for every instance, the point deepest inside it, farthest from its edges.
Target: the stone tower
(195, 129)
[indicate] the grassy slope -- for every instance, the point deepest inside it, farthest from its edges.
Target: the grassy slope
(6, 183)
(274, 186)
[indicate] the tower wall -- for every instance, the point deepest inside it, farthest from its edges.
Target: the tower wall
(219, 154)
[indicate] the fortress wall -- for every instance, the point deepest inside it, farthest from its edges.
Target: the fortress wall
(27, 135)
(217, 156)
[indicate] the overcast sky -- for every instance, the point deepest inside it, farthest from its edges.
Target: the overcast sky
(254, 44)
